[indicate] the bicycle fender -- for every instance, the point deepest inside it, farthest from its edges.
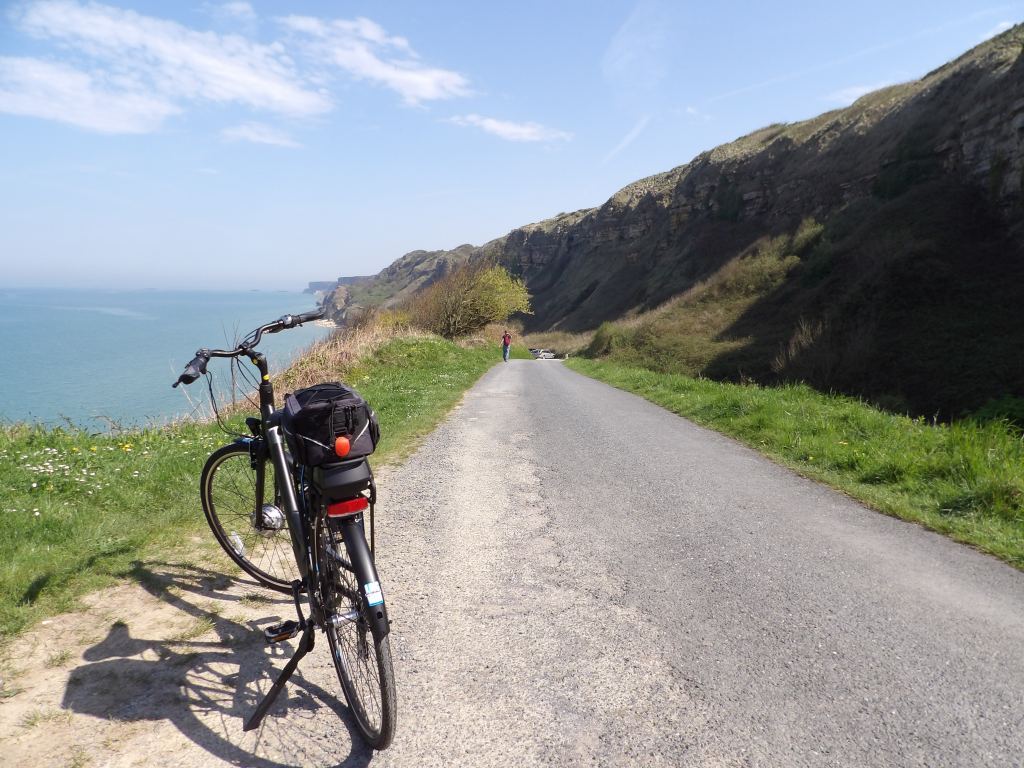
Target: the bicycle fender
(365, 571)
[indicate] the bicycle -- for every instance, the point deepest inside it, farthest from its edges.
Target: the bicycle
(253, 490)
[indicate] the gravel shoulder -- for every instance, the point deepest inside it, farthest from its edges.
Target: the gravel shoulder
(575, 577)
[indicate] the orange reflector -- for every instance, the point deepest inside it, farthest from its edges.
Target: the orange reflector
(350, 507)
(342, 446)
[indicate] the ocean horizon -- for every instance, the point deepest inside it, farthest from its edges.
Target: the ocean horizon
(105, 359)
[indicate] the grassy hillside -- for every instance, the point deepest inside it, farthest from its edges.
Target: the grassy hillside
(907, 302)
(80, 508)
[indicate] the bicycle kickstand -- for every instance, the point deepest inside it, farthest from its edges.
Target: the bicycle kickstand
(275, 634)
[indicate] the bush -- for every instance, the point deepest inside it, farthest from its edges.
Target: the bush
(468, 299)
(1007, 409)
(607, 338)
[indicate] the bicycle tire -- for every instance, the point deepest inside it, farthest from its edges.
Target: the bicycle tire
(367, 678)
(232, 490)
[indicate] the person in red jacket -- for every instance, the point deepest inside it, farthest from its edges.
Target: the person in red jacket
(506, 344)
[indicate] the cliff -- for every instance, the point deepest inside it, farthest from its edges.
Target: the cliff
(320, 286)
(917, 189)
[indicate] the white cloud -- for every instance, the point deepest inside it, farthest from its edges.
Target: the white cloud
(36, 88)
(258, 133)
(634, 133)
(139, 55)
(998, 29)
(510, 131)
(636, 61)
(237, 16)
(239, 10)
(697, 114)
(114, 70)
(847, 96)
(364, 50)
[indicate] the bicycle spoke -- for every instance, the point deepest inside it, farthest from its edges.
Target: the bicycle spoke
(231, 504)
(353, 649)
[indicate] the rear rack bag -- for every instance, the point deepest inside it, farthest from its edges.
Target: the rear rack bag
(316, 416)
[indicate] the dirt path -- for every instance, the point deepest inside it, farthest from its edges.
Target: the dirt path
(162, 672)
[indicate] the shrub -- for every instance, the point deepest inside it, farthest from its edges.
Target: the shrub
(607, 338)
(807, 235)
(1007, 409)
(468, 299)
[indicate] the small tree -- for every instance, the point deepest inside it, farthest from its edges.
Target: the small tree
(468, 299)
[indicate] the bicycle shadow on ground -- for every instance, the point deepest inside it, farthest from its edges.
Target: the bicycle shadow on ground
(200, 662)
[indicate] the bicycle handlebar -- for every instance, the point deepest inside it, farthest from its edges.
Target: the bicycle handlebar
(313, 314)
(193, 370)
(197, 367)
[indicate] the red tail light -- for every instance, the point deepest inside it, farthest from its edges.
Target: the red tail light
(349, 507)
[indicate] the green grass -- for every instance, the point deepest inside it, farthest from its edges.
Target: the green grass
(412, 384)
(196, 629)
(58, 659)
(965, 479)
(518, 352)
(79, 509)
(254, 599)
(39, 716)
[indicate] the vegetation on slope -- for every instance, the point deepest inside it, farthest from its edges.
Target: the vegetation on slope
(907, 302)
(691, 331)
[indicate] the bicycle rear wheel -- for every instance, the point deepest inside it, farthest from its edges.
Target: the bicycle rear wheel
(362, 657)
(233, 494)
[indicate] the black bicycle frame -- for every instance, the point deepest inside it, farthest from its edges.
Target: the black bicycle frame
(351, 526)
(275, 447)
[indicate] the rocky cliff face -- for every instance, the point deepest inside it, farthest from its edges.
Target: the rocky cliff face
(320, 286)
(393, 284)
(661, 235)
(962, 124)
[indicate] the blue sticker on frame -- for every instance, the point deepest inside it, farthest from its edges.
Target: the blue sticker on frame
(373, 594)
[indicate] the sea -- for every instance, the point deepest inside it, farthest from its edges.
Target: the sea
(103, 360)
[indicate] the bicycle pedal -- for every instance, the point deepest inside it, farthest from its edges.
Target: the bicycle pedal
(286, 630)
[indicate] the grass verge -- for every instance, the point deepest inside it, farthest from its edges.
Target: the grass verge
(78, 509)
(965, 480)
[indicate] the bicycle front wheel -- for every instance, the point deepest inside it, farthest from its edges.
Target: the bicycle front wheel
(362, 657)
(233, 494)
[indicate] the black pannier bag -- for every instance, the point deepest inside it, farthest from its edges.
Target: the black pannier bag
(344, 480)
(316, 416)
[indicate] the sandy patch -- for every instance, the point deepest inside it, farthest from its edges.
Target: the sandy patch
(163, 670)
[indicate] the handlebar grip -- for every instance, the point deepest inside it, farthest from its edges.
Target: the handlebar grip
(290, 321)
(315, 314)
(192, 371)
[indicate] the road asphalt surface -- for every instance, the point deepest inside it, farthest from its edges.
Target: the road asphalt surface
(578, 577)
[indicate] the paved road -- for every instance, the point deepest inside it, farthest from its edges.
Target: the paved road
(577, 577)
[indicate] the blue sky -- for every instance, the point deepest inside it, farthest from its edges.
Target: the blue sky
(265, 144)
